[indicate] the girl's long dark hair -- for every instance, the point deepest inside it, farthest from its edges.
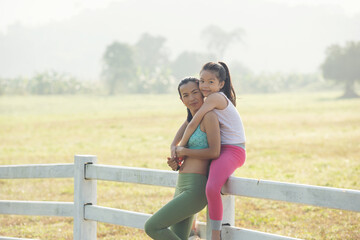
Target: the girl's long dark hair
(183, 82)
(222, 72)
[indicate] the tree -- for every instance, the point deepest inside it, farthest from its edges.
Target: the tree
(342, 64)
(152, 62)
(151, 52)
(218, 40)
(118, 68)
(189, 63)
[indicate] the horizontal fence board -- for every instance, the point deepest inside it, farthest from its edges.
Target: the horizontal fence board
(241, 233)
(36, 208)
(116, 216)
(11, 238)
(137, 220)
(246, 234)
(336, 198)
(37, 171)
(131, 175)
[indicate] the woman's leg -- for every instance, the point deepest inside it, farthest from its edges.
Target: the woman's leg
(182, 229)
(231, 158)
(193, 231)
(178, 213)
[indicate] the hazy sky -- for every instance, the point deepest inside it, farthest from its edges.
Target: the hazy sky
(38, 12)
(280, 35)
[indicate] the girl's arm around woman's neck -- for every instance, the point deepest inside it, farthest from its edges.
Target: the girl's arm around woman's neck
(212, 128)
(213, 101)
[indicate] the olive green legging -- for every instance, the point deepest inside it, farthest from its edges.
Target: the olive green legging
(178, 214)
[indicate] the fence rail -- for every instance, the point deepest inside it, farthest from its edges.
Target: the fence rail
(116, 216)
(37, 171)
(86, 213)
(131, 175)
(328, 197)
(36, 208)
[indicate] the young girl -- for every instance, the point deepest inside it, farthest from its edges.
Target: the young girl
(216, 86)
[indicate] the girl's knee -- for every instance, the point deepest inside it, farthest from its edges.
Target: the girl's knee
(212, 189)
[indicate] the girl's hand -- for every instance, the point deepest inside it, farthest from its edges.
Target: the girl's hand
(173, 151)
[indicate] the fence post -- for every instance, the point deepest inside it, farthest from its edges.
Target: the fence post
(84, 193)
(228, 210)
(228, 202)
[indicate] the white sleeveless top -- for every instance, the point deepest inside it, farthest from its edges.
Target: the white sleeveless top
(231, 127)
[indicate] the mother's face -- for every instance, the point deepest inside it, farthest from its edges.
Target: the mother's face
(191, 96)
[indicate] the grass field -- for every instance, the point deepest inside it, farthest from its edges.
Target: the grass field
(308, 138)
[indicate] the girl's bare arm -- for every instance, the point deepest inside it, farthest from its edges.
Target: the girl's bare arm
(177, 138)
(212, 129)
(211, 102)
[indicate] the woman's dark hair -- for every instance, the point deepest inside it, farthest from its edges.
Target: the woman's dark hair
(183, 82)
(223, 74)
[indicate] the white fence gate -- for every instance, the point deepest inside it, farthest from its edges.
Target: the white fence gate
(87, 213)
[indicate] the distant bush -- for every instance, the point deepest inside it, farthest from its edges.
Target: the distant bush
(244, 81)
(279, 82)
(45, 83)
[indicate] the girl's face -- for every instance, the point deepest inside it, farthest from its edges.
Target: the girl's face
(191, 96)
(209, 83)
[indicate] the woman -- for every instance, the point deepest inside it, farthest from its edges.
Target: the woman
(174, 220)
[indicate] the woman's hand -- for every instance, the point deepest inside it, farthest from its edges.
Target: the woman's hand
(180, 152)
(172, 163)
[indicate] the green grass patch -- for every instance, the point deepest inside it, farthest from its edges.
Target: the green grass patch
(308, 138)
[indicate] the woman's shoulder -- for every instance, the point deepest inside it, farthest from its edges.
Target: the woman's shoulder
(208, 120)
(210, 116)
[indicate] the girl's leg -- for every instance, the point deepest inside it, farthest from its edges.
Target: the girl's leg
(178, 213)
(231, 158)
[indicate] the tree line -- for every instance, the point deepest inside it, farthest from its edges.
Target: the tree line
(145, 67)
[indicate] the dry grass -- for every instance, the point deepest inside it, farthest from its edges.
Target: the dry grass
(302, 138)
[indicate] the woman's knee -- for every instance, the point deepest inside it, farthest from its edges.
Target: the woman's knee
(149, 227)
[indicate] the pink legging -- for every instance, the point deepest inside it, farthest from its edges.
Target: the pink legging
(231, 158)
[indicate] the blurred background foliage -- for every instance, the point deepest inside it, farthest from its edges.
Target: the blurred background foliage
(145, 67)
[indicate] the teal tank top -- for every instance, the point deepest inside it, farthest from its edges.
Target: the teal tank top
(198, 140)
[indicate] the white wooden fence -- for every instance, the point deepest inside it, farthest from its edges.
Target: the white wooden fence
(87, 213)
